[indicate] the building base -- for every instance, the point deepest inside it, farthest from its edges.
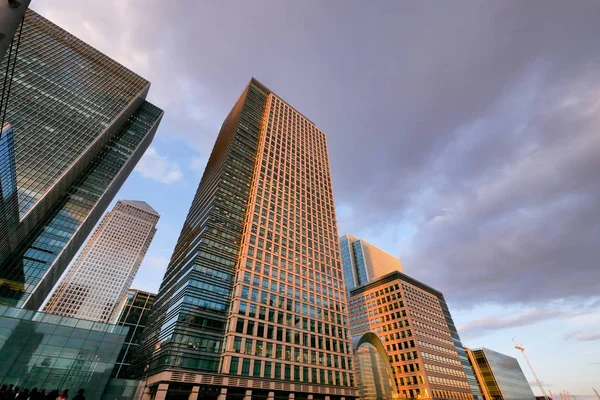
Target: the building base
(179, 385)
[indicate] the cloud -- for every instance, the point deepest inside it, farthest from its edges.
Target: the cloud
(159, 168)
(583, 336)
(486, 325)
(463, 137)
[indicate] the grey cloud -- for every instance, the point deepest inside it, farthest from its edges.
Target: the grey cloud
(583, 336)
(483, 326)
(463, 136)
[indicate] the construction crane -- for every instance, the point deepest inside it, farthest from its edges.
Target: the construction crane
(539, 383)
(597, 395)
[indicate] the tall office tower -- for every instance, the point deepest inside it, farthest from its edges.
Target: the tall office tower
(254, 288)
(133, 311)
(413, 323)
(499, 376)
(79, 126)
(362, 262)
(105, 268)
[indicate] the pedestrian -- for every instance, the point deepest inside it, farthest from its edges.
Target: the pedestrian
(64, 395)
(79, 395)
(33, 395)
(42, 395)
(52, 395)
(3, 389)
(22, 395)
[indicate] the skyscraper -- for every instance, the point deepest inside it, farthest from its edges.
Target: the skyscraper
(79, 125)
(105, 268)
(499, 376)
(363, 262)
(253, 302)
(414, 325)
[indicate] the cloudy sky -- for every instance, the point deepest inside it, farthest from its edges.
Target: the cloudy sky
(464, 138)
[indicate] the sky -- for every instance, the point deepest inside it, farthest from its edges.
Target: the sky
(464, 138)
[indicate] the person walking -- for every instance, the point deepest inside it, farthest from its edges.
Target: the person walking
(52, 395)
(79, 395)
(22, 395)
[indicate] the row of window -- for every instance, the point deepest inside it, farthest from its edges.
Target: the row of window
(276, 370)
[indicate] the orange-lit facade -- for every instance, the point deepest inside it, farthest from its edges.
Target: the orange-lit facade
(253, 303)
(289, 315)
(415, 327)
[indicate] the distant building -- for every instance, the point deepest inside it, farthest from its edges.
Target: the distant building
(133, 312)
(106, 267)
(414, 325)
(362, 262)
(499, 376)
(79, 123)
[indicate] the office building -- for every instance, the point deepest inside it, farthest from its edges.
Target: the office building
(499, 376)
(106, 267)
(132, 312)
(79, 125)
(253, 302)
(415, 327)
(362, 262)
(49, 351)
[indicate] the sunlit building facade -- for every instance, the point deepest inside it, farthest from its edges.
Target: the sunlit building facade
(362, 262)
(499, 376)
(414, 325)
(79, 123)
(104, 270)
(253, 302)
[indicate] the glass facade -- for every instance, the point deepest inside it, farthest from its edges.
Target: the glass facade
(188, 320)
(373, 371)
(363, 262)
(133, 313)
(79, 125)
(500, 376)
(52, 352)
(254, 288)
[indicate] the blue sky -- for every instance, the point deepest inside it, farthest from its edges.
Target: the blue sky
(464, 138)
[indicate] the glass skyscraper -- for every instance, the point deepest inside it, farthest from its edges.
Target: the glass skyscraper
(499, 376)
(80, 123)
(363, 262)
(253, 301)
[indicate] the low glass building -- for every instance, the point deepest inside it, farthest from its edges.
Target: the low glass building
(373, 370)
(52, 352)
(499, 376)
